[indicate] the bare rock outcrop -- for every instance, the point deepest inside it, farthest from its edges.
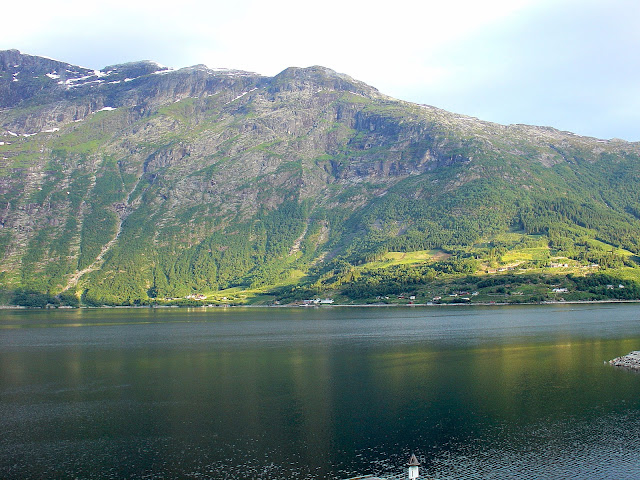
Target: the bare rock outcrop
(631, 360)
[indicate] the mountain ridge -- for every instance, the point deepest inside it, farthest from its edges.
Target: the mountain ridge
(198, 180)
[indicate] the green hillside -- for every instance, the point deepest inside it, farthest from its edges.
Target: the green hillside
(139, 185)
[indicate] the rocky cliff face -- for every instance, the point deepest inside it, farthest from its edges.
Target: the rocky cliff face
(53, 93)
(138, 179)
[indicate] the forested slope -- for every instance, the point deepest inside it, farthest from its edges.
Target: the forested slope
(140, 184)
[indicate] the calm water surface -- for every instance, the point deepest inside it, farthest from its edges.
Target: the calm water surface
(476, 392)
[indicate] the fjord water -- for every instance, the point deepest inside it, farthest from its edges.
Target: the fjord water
(315, 393)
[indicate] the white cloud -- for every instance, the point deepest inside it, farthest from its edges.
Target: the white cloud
(368, 36)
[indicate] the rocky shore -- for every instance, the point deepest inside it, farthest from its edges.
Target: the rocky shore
(631, 360)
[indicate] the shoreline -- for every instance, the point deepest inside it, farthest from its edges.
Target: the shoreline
(411, 305)
(340, 305)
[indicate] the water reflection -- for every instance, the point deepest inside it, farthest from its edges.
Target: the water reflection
(479, 393)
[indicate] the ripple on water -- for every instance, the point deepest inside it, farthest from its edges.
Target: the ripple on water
(608, 448)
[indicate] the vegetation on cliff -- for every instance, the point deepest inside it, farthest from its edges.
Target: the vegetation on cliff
(138, 185)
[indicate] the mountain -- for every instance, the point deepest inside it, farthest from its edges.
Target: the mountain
(139, 183)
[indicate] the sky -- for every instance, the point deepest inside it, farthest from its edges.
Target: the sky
(570, 64)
